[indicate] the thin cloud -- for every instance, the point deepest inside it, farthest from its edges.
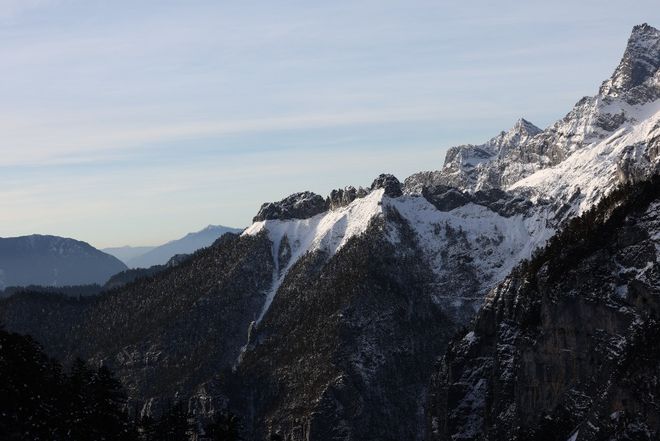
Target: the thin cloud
(75, 144)
(12, 9)
(198, 111)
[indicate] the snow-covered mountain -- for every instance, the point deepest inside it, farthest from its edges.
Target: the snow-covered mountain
(470, 246)
(53, 261)
(160, 255)
(606, 139)
(494, 164)
(565, 348)
(323, 319)
(508, 195)
(473, 220)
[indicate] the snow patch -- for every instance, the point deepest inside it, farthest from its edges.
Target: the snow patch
(574, 436)
(328, 232)
(470, 338)
(592, 169)
(493, 243)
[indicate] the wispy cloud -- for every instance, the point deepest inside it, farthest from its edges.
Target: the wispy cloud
(199, 110)
(12, 9)
(71, 141)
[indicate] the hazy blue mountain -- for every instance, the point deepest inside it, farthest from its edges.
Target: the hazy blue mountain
(190, 243)
(53, 261)
(127, 252)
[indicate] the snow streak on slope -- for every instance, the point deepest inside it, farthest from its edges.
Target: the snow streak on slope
(327, 231)
(545, 177)
(470, 241)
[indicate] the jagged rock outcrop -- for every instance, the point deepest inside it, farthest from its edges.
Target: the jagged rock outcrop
(301, 205)
(389, 183)
(567, 343)
(497, 163)
(599, 131)
(640, 62)
(342, 197)
(506, 204)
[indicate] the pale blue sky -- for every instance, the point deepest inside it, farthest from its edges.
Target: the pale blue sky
(134, 122)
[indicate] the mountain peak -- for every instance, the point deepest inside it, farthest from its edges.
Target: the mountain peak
(640, 61)
(521, 132)
(644, 31)
(388, 182)
(523, 126)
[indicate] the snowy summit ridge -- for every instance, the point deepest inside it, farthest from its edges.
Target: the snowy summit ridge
(491, 205)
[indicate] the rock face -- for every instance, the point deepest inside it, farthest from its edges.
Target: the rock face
(301, 205)
(389, 183)
(568, 342)
(640, 62)
(495, 164)
(504, 203)
(342, 197)
(53, 261)
(322, 319)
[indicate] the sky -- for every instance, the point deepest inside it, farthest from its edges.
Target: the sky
(135, 122)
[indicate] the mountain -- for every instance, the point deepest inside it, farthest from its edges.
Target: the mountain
(324, 318)
(566, 346)
(53, 261)
(610, 138)
(131, 275)
(189, 243)
(172, 332)
(495, 164)
(127, 252)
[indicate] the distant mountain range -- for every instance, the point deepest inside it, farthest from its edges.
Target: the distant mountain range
(53, 261)
(145, 257)
(45, 262)
(127, 253)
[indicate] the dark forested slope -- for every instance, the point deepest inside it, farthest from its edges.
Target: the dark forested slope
(568, 343)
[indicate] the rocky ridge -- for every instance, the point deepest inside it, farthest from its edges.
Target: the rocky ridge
(340, 304)
(600, 134)
(565, 347)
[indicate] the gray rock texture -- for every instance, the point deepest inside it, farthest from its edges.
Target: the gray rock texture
(567, 343)
(296, 206)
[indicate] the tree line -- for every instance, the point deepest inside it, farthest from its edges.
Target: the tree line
(39, 400)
